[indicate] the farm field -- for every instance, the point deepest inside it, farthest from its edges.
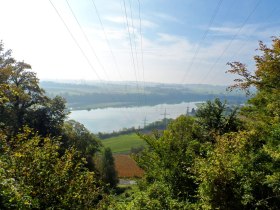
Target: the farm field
(127, 167)
(123, 143)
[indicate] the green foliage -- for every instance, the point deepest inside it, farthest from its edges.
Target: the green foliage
(108, 172)
(34, 175)
(221, 175)
(216, 118)
(171, 156)
(266, 103)
(272, 179)
(48, 118)
(23, 102)
(3, 96)
(242, 172)
(45, 163)
(76, 134)
(220, 159)
(156, 197)
(136, 150)
(49, 166)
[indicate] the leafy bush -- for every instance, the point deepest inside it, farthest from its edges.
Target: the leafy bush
(34, 175)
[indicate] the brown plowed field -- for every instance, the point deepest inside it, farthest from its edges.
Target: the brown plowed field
(127, 167)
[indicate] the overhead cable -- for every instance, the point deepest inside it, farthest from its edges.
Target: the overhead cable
(87, 39)
(131, 49)
(76, 42)
(107, 40)
(231, 40)
(201, 41)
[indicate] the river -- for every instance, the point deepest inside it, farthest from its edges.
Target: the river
(114, 119)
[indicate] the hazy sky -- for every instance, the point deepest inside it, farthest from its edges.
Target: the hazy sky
(183, 41)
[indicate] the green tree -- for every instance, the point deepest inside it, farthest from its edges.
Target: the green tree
(108, 172)
(216, 119)
(23, 102)
(225, 176)
(28, 94)
(48, 118)
(262, 118)
(44, 162)
(265, 105)
(34, 175)
(156, 197)
(170, 157)
(75, 134)
(239, 167)
(242, 171)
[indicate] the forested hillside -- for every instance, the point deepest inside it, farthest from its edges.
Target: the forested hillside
(213, 160)
(99, 95)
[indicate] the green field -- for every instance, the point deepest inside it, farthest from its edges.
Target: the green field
(123, 143)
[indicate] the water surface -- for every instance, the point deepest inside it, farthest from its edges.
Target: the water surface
(115, 119)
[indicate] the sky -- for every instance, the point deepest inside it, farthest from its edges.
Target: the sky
(166, 41)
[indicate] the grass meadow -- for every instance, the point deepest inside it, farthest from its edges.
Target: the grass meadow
(122, 144)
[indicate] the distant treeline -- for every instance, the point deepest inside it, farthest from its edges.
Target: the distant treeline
(81, 96)
(158, 125)
(94, 100)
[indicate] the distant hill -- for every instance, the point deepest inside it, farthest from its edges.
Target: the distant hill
(84, 95)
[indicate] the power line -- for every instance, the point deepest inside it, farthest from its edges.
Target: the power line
(272, 12)
(232, 39)
(107, 40)
(131, 50)
(164, 117)
(109, 45)
(74, 39)
(134, 37)
(188, 110)
(202, 39)
(86, 38)
(141, 41)
(142, 54)
(145, 122)
(132, 56)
